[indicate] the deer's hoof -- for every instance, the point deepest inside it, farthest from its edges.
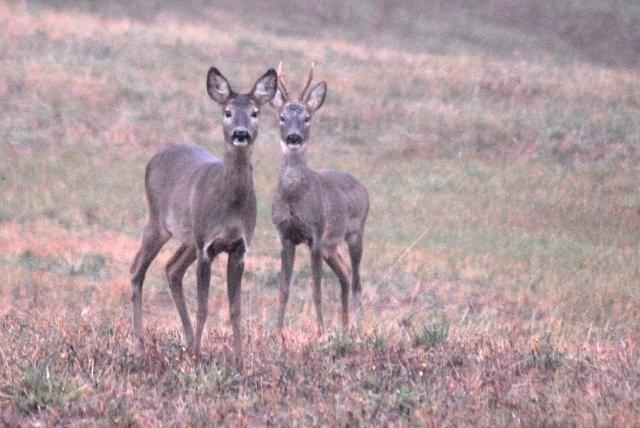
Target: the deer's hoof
(239, 364)
(194, 352)
(138, 349)
(357, 300)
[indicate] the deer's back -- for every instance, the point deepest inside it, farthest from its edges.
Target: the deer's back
(169, 180)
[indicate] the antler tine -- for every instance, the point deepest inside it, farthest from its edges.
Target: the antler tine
(281, 84)
(306, 85)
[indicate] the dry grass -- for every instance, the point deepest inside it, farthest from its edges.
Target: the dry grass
(84, 371)
(501, 261)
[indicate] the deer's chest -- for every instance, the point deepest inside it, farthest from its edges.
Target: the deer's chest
(299, 217)
(293, 183)
(226, 221)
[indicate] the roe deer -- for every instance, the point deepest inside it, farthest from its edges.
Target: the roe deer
(319, 209)
(209, 205)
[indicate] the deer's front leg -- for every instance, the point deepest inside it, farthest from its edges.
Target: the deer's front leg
(316, 272)
(203, 273)
(287, 259)
(235, 269)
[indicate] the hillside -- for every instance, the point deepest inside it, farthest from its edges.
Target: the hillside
(499, 144)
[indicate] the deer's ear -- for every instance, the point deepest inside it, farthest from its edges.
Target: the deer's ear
(265, 88)
(315, 98)
(278, 100)
(217, 86)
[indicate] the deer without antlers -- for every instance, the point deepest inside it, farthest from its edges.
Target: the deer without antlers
(319, 209)
(209, 205)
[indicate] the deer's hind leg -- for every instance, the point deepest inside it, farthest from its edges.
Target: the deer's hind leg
(153, 238)
(175, 270)
(339, 267)
(354, 242)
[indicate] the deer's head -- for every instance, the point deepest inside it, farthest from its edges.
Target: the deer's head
(295, 114)
(240, 111)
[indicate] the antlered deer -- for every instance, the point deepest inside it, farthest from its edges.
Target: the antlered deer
(319, 209)
(209, 205)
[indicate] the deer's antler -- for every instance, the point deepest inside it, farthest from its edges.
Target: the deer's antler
(306, 85)
(281, 84)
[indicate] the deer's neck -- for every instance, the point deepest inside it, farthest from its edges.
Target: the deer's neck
(237, 171)
(294, 172)
(294, 158)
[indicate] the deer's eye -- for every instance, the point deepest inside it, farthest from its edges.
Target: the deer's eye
(227, 113)
(307, 119)
(281, 118)
(254, 114)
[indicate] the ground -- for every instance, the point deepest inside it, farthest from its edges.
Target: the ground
(499, 144)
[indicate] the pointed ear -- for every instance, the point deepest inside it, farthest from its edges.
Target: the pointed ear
(315, 98)
(278, 100)
(218, 87)
(265, 88)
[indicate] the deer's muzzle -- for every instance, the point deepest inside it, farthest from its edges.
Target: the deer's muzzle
(240, 137)
(294, 139)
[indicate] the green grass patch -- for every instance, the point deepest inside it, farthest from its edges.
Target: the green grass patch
(88, 265)
(43, 389)
(341, 344)
(430, 335)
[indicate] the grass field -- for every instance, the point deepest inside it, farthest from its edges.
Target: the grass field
(500, 146)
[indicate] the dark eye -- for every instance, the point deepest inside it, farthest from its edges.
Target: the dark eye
(254, 114)
(227, 113)
(307, 119)
(281, 118)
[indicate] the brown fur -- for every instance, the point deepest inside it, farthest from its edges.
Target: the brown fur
(208, 205)
(316, 208)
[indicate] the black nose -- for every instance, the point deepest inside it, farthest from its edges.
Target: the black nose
(294, 139)
(241, 135)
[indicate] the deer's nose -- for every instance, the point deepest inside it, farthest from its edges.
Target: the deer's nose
(294, 139)
(241, 134)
